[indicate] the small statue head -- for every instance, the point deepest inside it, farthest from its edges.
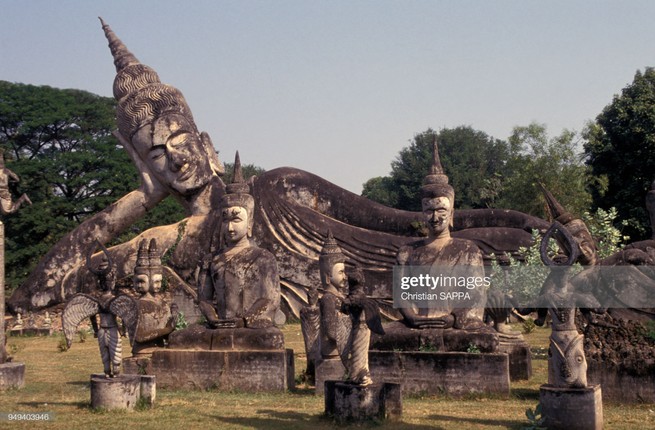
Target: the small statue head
(237, 209)
(331, 264)
(588, 255)
(157, 121)
(141, 279)
(438, 198)
(155, 269)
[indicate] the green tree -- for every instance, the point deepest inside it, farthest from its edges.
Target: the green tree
(468, 157)
(248, 171)
(59, 142)
(554, 162)
(620, 148)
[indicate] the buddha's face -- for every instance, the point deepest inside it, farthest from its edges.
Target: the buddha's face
(141, 284)
(156, 283)
(173, 150)
(438, 214)
(235, 226)
(338, 277)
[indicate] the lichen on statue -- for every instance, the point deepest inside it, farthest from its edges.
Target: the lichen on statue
(239, 286)
(346, 315)
(156, 311)
(157, 129)
(441, 326)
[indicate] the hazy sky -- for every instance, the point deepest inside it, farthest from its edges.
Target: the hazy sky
(338, 87)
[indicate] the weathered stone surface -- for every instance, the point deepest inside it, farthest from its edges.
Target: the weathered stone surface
(520, 359)
(227, 339)
(225, 370)
(452, 373)
(328, 369)
(572, 408)
(148, 391)
(12, 375)
(348, 402)
(120, 392)
(400, 337)
(621, 386)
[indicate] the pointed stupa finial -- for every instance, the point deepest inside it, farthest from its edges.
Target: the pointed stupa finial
(436, 168)
(122, 56)
(237, 193)
(555, 208)
(330, 255)
(238, 184)
(435, 183)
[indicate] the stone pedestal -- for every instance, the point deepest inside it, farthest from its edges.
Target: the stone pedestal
(121, 392)
(399, 337)
(12, 375)
(621, 386)
(328, 369)
(572, 408)
(254, 371)
(520, 359)
(452, 373)
(347, 402)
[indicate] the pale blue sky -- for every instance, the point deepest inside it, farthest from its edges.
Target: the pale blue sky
(338, 87)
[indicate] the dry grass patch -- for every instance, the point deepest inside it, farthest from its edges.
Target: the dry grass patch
(58, 382)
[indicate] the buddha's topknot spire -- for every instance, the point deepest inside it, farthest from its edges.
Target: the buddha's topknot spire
(122, 56)
(435, 183)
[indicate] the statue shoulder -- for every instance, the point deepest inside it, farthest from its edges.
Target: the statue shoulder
(468, 251)
(406, 251)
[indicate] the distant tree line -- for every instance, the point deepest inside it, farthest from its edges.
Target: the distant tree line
(610, 164)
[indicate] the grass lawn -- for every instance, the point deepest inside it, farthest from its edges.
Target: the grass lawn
(58, 382)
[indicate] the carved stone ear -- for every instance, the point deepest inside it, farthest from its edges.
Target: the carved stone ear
(212, 155)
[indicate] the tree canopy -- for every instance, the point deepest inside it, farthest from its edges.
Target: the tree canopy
(534, 159)
(488, 172)
(468, 157)
(620, 149)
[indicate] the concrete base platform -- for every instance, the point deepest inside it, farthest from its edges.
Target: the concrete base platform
(12, 375)
(347, 402)
(452, 373)
(621, 386)
(253, 371)
(572, 408)
(327, 369)
(122, 392)
(520, 359)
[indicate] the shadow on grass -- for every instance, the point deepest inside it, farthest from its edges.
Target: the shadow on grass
(525, 394)
(268, 419)
(460, 422)
(79, 405)
(79, 383)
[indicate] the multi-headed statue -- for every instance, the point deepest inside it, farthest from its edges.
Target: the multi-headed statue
(156, 313)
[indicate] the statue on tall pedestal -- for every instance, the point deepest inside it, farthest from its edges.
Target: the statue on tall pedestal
(108, 307)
